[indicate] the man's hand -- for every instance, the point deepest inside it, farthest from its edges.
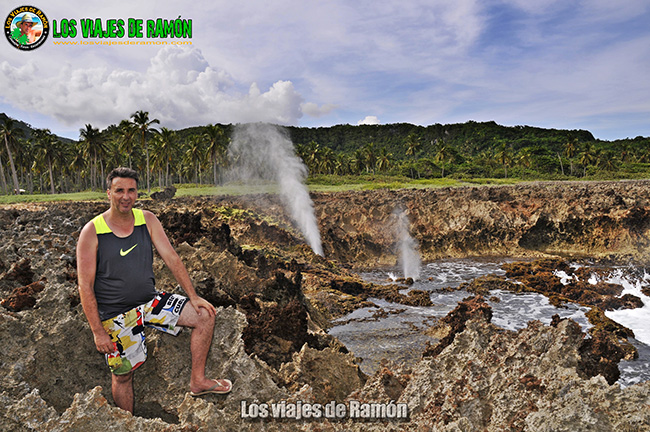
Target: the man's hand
(199, 303)
(104, 343)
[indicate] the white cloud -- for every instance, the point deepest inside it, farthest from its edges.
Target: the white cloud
(369, 120)
(313, 110)
(179, 88)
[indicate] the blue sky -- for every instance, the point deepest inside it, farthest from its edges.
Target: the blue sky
(546, 63)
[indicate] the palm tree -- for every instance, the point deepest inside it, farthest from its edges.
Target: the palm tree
(525, 157)
(442, 155)
(125, 138)
(412, 146)
(588, 156)
(78, 166)
(626, 154)
(384, 160)
(486, 161)
(342, 165)
(327, 161)
(607, 161)
(570, 150)
(157, 158)
(5, 187)
(92, 146)
(217, 146)
(312, 156)
(194, 155)
(165, 151)
(24, 160)
(47, 152)
(10, 133)
(504, 156)
(358, 161)
(370, 156)
(142, 122)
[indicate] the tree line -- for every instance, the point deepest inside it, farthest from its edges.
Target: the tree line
(37, 161)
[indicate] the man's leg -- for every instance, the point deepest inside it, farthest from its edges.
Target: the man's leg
(202, 330)
(122, 387)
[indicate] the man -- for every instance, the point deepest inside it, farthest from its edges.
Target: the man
(27, 33)
(116, 287)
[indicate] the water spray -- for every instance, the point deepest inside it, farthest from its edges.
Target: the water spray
(409, 257)
(261, 151)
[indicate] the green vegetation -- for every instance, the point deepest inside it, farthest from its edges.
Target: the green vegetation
(75, 196)
(343, 157)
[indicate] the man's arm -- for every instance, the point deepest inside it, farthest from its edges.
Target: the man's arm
(86, 269)
(173, 261)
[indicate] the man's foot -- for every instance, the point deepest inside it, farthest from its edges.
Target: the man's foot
(221, 386)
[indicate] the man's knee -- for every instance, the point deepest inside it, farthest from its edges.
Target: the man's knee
(190, 318)
(206, 320)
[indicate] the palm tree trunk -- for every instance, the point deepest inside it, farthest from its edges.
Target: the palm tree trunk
(5, 188)
(214, 168)
(146, 151)
(93, 171)
(30, 183)
(49, 163)
(13, 168)
(101, 179)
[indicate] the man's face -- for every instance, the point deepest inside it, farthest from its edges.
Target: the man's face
(122, 194)
(26, 27)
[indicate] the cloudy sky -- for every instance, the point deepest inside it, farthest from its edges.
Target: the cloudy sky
(565, 64)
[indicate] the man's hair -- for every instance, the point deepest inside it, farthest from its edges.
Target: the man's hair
(122, 172)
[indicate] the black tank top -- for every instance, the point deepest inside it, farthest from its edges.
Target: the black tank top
(124, 277)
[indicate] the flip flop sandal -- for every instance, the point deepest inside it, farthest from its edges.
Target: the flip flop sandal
(217, 388)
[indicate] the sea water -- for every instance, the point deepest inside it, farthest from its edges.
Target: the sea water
(397, 332)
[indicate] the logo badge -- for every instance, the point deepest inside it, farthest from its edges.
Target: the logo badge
(26, 28)
(126, 252)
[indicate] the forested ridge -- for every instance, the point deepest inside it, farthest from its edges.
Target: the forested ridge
(34, 160)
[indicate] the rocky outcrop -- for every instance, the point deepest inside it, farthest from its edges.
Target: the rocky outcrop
(165, 194)
(275, 297)
(539, 276)
(23, 297)
(584, 218)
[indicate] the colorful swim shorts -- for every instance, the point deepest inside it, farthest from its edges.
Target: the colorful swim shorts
(127, 330)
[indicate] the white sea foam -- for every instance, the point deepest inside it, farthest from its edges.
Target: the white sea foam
(565, 279)
(514, 311)
(636, 319)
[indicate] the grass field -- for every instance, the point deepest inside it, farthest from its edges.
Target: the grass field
(317, 184)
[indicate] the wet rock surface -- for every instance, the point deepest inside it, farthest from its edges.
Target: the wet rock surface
(539, 276)
(275, 297)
